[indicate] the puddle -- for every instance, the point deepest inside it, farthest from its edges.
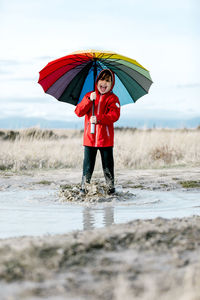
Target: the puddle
(39, 212)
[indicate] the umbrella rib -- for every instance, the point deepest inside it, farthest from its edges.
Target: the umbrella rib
(129, 77)
(118, 68)
(87, 55)
(127, 90)
(75, 59)
(118, 63)
(79, 58)
(118, 60)
(104, 59)
(74, 67)
(87, 68)
(83, 82)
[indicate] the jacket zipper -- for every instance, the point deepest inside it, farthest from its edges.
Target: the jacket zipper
(98, 109)
(97, 127)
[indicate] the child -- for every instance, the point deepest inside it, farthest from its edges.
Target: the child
(106, 112)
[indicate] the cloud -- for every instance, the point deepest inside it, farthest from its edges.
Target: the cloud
(44, 58)
(189, 85)
(8, 62)
(152, 32)
(6, 66)
(45, 107)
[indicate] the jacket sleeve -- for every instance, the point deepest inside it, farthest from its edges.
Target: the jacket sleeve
(112, 114)
(84, 106)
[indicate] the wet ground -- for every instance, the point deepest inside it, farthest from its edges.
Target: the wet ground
(148, 258)
(43, 211)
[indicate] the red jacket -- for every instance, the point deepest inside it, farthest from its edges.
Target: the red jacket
(107, 111)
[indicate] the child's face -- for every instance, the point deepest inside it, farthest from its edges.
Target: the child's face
(104, 85)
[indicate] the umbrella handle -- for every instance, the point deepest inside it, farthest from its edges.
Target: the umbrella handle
(92, 127)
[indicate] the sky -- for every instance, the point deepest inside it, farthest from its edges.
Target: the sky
(163, 36)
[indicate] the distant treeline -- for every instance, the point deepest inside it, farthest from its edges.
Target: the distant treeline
(48, 134)
(32, 133)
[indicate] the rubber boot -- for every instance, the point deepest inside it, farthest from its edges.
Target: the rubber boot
(109, 182)
(111, 190)
(85, 179)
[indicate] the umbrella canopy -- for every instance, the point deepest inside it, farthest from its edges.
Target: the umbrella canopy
(70, 77)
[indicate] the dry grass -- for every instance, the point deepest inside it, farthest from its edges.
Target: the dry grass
(157, 148)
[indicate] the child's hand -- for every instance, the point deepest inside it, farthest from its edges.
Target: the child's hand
(93, 96)
(93, 119)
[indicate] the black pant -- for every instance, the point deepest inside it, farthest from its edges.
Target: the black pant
(107, 164)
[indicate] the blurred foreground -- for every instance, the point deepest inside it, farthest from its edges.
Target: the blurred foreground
(143, 259)
(134, 148)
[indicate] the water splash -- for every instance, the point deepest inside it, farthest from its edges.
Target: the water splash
(96, 192)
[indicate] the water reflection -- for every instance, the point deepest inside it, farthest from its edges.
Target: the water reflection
(38, 212)
(89, 217)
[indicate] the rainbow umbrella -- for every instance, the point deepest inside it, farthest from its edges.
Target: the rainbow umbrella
(70, 77)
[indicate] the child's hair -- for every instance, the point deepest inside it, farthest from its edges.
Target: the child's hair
(105, 74)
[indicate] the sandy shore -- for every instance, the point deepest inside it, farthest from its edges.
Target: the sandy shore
(144, 259)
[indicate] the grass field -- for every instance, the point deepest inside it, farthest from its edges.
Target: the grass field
(134, 148)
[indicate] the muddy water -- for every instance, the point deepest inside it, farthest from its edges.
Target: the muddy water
(39, 212)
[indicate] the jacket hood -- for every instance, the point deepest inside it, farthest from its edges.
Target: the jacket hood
(112, 76)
